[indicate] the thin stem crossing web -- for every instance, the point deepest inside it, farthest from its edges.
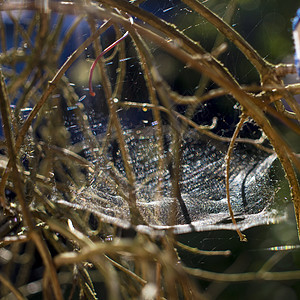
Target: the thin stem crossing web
(110, 47)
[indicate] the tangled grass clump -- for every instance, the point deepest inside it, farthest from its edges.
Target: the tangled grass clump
(52, 152)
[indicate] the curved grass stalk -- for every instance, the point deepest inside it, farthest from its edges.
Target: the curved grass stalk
(203, 252)
(252, 55)
(147, 65)
(238, 128)
(117, 93)
(110, 47)
(11, 287)
(242, 277)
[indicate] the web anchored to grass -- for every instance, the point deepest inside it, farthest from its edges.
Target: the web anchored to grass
(80, 171)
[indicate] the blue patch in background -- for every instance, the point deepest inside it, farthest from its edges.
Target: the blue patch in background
(296, 35)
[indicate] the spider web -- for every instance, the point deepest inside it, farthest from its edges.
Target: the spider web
(202, 203)
(202, 179)
(252, 188)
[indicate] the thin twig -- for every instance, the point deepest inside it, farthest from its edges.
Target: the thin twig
(11, 287)
(203, 252)
(239, 126)
(242, 277)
